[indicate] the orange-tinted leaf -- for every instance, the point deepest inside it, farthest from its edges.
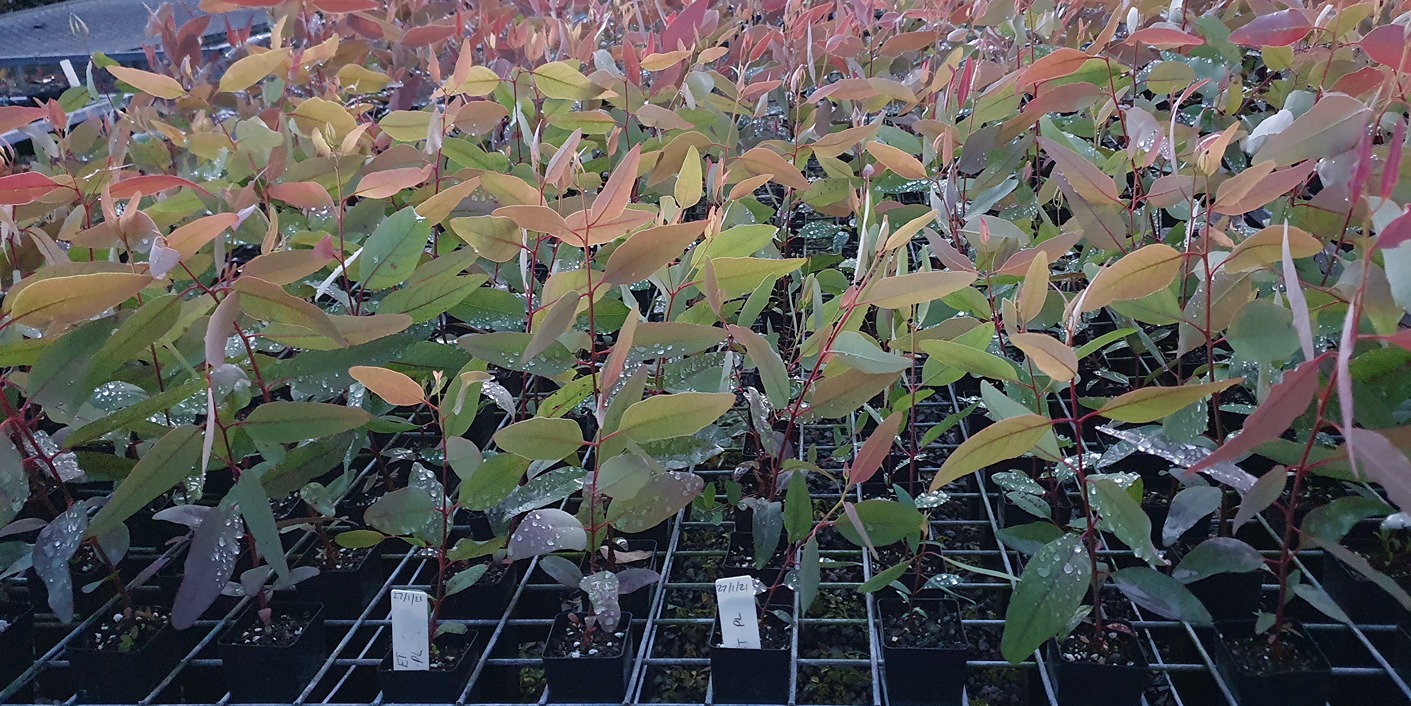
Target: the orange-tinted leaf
(190, 238)
(71, 299)
(1257, 186)
(1267, 246)
(1048, 354)
(897, 161)
(148, 82)
(1133, 276)
(301, 194)
(648, 251)
(386, 183)
(394, 387)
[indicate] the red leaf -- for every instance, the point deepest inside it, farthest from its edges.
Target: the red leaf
(426, 36)
(13, 117)
(1396, 232)
(1383, 463)
(1278, 29)
(1287, 400)
(28, 187)
(1163, 38)
(150, 184)
(1389, 45)
(683, 30)
(874, 450)
(340, 6)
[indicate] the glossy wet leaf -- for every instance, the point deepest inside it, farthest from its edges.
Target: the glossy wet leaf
(1187, 509)
(1003, 440)
(546, 531)
(1161, 594)
(1052, 586)
(284, 422)
(1217, 555)
(541, 438)
(53, 548)
(165, 465)
(210, 563)
(662, 496)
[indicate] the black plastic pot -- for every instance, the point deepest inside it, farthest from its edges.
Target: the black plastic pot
(427, 687)
(1401, 658)
(1363, 601)
(1085, 683)
(1230, 596)
(1304, 687)
(746, 676)
(925, 676)
(16, 644)
(483, 599)
(270, 674)
(344, 592)
(114, 676)
(742, 545)
(593, 679)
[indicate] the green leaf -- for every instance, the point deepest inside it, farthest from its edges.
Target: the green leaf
(665, 416)
(859, 352)
(1161, 594)
(1029, 538)
(798, 508)
(133, 414)
(391, 253)
(284, 422)
(1362, 566)
(465, 578)
(144, 328)
(971, 360)
(810, 570)
(1049, 592)
(541, 438)
(259, 518)
(305, 463)
(884, 579)
(505, 348)
(884, 521)
(402, 512)
(359, 539)
(1333, 521)
(426, 300)
(566, 398)
(1104, 341)
(1000, 441)
(166, 464)
(1002, 406)
(1217, 555)
(1149, 404)
(1122, 516)
(772, 371)
(492, 482)
(1263, 332)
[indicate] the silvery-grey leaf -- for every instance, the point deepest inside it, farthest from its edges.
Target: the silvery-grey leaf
(54, 547)
(14, 482)
(629, 580)
(210, 562)
(602, 590)
(546, 531)
(1183, 455)
(189, 515)
(562, 570)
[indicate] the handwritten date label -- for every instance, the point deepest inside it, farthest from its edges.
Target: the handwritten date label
(410, 638)
(739, 621)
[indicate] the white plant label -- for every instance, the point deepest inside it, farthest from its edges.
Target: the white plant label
(739, 621)
(410, 637)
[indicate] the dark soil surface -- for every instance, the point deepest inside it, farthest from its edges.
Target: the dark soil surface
(445, 658)
(919, 628)
(128, 630)
(572, 642)
(283, 630)
(1117, 646)
(1257, 655)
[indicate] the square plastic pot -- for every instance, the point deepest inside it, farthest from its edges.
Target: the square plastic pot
(116, 676)
(924, 676)
(588, 679)
(270, 674)
(431, 686)
(1087, 683)
(1304, 687)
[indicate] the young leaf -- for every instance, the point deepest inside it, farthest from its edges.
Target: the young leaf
(541, 438)
(1161, 594)
(900, 292)
(1000, 441)
(394, 387)
(1135, 275)
(75, 298)
(1048, 355)
(798, 508)
(771, 367)
(1123, 516)
(665, 416)
(1149, 404)
(1217, 555)
(547, 531)
(874, 451)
